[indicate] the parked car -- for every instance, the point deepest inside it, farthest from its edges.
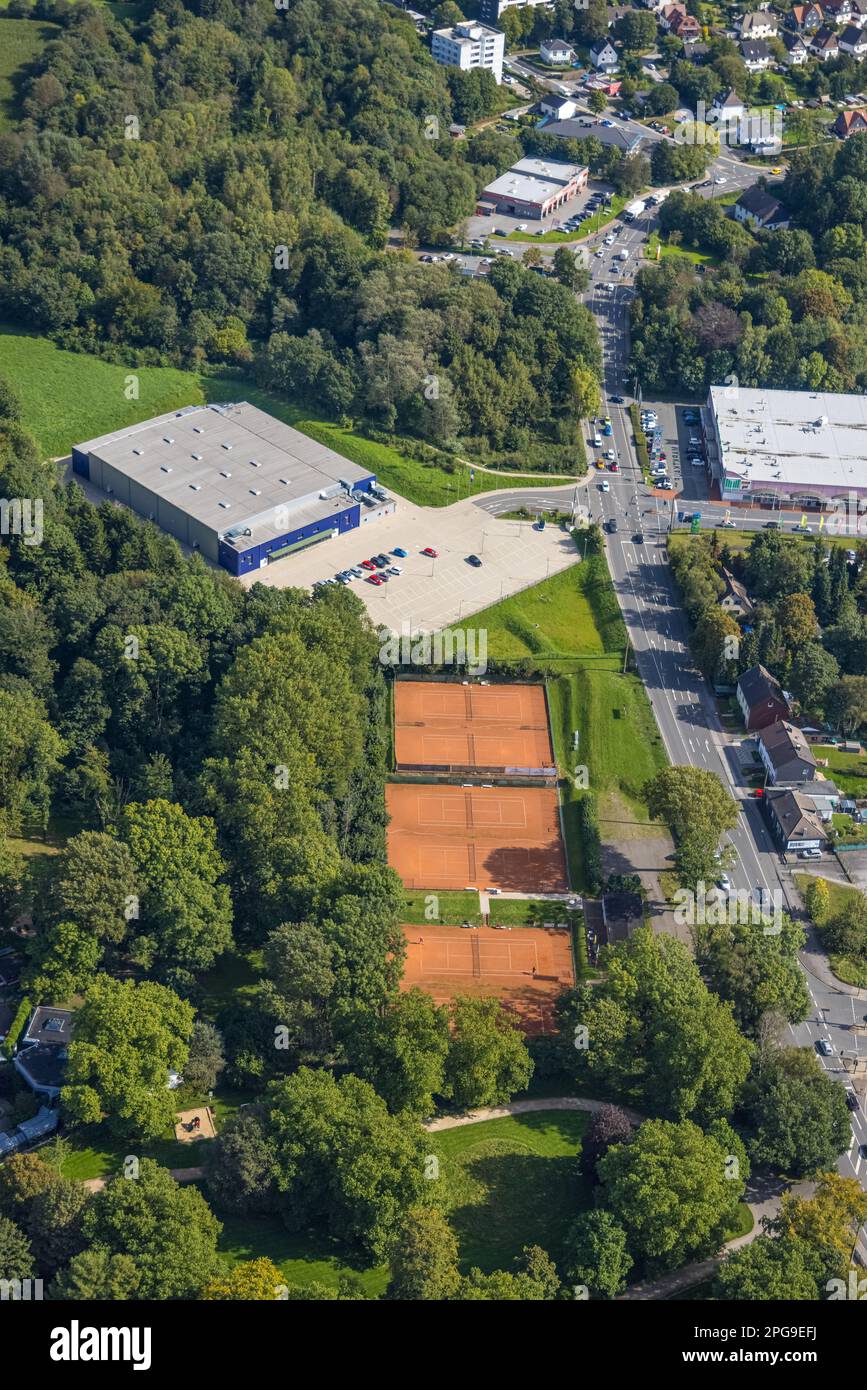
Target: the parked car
(374, 579)
(474, 561)
(394, 569)
(368, 565)
(809, 854)
(430, 552)
(398, 551)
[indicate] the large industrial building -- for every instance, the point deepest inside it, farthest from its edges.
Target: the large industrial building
(232, 482)
(805, 449)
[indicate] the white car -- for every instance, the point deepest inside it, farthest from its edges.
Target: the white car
(609, 286)
(604, 487)
(599, 253)
(597, 441)
(522, 226)
(697, 463)
(611, 455)
(720, 179)
(724, 883)
(610, 240)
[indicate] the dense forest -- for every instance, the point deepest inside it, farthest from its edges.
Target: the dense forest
(217, 183)
(785, 309)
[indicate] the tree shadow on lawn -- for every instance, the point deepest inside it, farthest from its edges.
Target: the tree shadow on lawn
(508, 1200)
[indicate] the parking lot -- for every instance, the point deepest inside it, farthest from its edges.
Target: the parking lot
(689, 483)
(432, 593)
(485, 226)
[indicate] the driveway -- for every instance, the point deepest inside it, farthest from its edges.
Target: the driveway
(433, 593)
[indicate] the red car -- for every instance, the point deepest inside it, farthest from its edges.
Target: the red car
(429, 550)
(368, 565)
(614, 467)
(374, 579)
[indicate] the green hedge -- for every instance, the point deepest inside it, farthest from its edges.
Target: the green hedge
(21, 1016)
(588, 823)
(640, 444)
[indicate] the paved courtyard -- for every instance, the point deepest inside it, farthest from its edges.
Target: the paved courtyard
(432, 594)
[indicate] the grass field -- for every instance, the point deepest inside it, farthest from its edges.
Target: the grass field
(21, 40)
(843, 768)
(95, 1155)
(851, 970)
(301, 1258)
(453, 908)
(595, 224)
(570, 617)
(511, 1182)
(69, 397)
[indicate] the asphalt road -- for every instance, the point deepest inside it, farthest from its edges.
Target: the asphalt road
(682, 700)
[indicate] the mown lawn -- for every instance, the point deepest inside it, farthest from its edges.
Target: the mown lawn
(843, 768)
(571, 616)
(94, 1154)
(444, 908)
(301, 1258)
(511, 1182)
(21, 40)
(595, 224)
(618, 741)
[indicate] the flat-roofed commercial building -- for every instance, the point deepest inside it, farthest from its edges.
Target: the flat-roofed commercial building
(804, 449)
(533, 188)
(232, 482)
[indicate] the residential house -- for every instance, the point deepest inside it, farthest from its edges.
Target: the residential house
(727, 108)
(759, 24)
(846, 11)
(558, 108)
(794, 822)
(786, 755)
(40, 1057)
(806, 19)
(696, 53)
(603, 56)
(851, 123)
(736, 600)
(759, 208)
(825, 44)
(669, 13)
(555, 52)
(756, 55)
(686, 28)
(796, 50)
(761, 698)
(853, 40)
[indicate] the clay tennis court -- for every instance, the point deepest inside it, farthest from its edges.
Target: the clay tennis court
(447, 961)
(442, 724)
(442, 836)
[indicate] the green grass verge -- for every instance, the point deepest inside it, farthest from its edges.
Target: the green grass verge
(618, 743)
(449, 909)
(684, 252)
(567, 619)
(21, 40)
(511, 1182)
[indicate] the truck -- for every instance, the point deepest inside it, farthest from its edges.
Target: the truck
(634, 210)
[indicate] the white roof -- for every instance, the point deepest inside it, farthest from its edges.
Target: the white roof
(813, 438)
